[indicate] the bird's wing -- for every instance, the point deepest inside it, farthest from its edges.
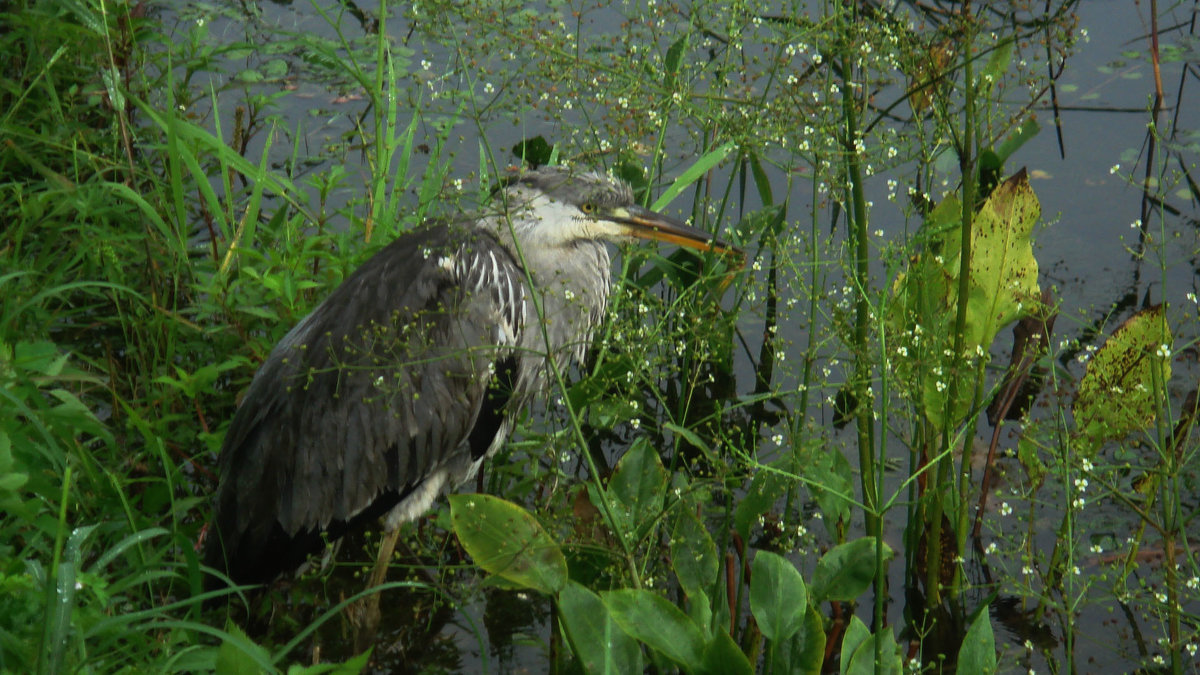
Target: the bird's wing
(394, 387)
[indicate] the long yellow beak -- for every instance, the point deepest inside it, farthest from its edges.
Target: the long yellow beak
(646, 224)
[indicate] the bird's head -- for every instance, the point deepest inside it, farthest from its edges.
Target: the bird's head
(556, 207)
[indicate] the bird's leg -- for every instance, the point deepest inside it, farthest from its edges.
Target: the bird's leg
(364, 635)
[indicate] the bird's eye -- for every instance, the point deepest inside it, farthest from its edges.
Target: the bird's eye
(588, 208)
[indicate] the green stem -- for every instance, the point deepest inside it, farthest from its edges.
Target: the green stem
(862, 308)
(865, 412)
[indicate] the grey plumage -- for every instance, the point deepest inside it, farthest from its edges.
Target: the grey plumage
(397, 386)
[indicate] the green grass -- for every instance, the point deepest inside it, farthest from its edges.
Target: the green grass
(170, 214)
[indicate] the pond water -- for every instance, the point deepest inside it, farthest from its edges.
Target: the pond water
(1087, 166)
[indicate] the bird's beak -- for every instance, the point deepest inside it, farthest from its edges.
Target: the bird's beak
(646, 224)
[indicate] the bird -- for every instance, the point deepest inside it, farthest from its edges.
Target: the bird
(409, 375)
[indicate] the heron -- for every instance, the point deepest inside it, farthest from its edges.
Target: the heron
(409, 375)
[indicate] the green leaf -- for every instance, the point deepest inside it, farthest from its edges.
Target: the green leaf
(596, 640)
(722, 656)
(1003, 288)
(996, 67)
(778, 598)
(806, 649)
(672, 61)
(861, 659)
(1125, 380)
(638, 485)
(693, 555)
(239, 654)
(846, 571)
(1013, 142)
(832, 485)
(857, 634)
(507, 541)
(661, 625)
(978, 651)
(692, 174)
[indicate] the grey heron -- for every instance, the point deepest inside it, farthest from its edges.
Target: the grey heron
(408, 376)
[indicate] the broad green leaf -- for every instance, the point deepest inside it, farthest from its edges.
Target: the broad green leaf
(977, 655)
(653, 620)
(693, 554)
(861, 660)
(856, 636)
(722, 656)
(638, 485)
(507, 541)
(1003, 288)
(597, 640)
(778, 598)
(846, 571)
(1013, 142)
(1125, 379)
(806, 652)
